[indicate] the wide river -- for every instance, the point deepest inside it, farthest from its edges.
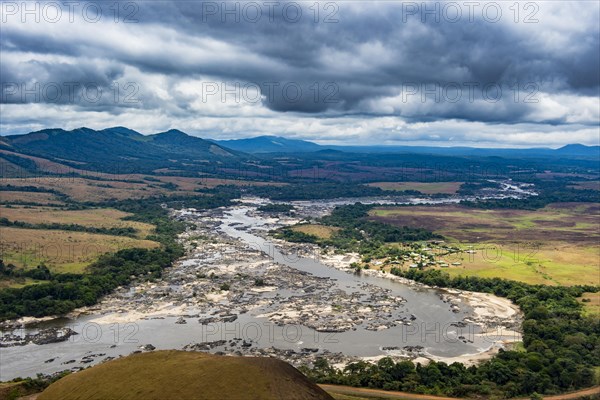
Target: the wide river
(432, 328)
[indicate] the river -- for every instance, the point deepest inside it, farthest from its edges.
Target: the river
(384, 317)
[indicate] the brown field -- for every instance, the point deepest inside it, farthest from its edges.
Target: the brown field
(555, 245)
(101, 186)
(213, 182)
(29, 197)
(97, 217)
(191, 184)
(320, 231)
(568, 222)
(423, 187)
(82, 189)
(61, 251)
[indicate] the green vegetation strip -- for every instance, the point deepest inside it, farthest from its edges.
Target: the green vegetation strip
(116, 231)
(356, 232)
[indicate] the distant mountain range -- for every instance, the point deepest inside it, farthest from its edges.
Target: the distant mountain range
(270, 144)
(96, 149)
(276, 144)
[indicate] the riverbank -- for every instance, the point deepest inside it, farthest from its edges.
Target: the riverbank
(500, 320)
(306, 304)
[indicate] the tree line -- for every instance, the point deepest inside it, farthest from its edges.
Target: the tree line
(113, 230)
(561, 348)
(357, 232)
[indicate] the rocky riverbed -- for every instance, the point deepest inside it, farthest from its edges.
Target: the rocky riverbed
(302, 302)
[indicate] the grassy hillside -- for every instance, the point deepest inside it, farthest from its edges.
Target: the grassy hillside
(186, 375)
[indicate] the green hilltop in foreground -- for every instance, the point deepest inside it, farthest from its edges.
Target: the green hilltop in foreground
(186, 375)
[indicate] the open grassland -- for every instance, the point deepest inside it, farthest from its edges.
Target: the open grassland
(82, 189)
(554, 245)
(61, 251)
(186, 375)
(320, 231)
(591, 304)
(97, 217)
(135, 187)
(191, 184)
(8, 197)
(423, 187)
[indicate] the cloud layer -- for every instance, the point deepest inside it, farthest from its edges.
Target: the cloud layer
(477, 73)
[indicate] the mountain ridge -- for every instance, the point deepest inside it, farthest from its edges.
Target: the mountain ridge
(265, 144)
(120, 143)
(269, 144)
(98, 149)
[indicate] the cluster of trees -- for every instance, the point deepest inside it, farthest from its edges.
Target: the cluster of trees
(117, 231)
(354, 217)
(30, 189)
(152, 212)
(470, 188)
(24, 387)
(325, 190)
(41, 272)
(276, 208)
(562, 348)
(62, 293)
(357, 232)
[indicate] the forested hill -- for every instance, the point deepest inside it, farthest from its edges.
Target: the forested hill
(90, 149)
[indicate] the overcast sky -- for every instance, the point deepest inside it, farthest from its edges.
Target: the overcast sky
(493, 74)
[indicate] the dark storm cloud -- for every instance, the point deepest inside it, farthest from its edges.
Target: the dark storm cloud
(363, 61)
(483, 50)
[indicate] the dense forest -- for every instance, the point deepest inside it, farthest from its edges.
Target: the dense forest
(561, 348)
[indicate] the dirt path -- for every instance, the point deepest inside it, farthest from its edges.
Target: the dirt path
(575, 395)
(349, 390)
(379, 393)
(410, 396)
